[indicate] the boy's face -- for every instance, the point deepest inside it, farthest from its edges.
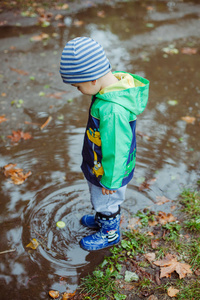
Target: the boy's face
(87, 88)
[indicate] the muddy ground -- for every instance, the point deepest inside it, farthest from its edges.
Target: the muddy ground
(158, 40)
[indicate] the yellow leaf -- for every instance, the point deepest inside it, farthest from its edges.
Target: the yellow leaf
(54, 294)
(33, 244)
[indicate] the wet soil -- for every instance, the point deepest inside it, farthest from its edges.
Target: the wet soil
(145, 38)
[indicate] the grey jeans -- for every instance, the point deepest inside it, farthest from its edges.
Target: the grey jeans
(106, 204)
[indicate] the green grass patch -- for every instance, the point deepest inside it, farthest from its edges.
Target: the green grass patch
(180, 238)
(191, 206)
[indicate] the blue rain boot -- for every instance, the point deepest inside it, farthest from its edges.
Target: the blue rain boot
(89, 221)
(108, 234)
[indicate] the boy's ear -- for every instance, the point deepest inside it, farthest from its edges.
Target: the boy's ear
(94, 82)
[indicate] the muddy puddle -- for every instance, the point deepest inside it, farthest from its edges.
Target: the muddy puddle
(148, 39)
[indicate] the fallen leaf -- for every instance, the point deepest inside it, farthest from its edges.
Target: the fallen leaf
(15, 175)
(157, 278)
(197, 272)
(131, 276)
(40, 37)
(33, 244)
(78, 23)
(3, 119)
(172, 102)
(146, 184)
(3, 94)
(170, 50)
(62, 6)
(170, 264)
(149, 25)
(133, 222)
(101, 14)
(161, 200)
(189, 51)
(54, 294)
(58, 17)
(46, 123)
(163, 218)
(172, 292)
(67, 296)
(150, 8)
(57, 95)
(154, 244)
(143, 135)
(173, 207)
(188, 119)
(18, 135)
(45, 19)
(152, 223)
(150, 233)
(150, 256)
(152, 297)
(21, 72)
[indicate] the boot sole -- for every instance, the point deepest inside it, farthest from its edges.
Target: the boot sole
(108, 246)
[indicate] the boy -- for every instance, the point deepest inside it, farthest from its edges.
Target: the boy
(109, 148)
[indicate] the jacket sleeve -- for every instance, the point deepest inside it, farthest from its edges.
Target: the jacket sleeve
(116, 138)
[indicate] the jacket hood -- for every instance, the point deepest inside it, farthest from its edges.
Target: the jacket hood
(131, 92)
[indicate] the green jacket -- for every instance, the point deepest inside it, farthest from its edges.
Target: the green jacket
(109, 149)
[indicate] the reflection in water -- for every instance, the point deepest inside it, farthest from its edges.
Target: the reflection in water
(56, 190)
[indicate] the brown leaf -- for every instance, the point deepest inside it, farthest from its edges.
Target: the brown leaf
(188, 119)
(189, 51)
(150, 256)
(172, 292)
(143, 135)
(150, 8)
(152, 297)
(21, 72)
(54, 294)
(152, 223)
(57, 95)
(164, 218)
(146, 184)
(15, 175)
(58, 17)
(78, 23)
(173, 207)
(67, 296)
(161, 200)
(170, 264)
(157, 278)
(3, 119)
(40, 37)
(150, 233)
(154, 244)
(133, 222)
(33, 244)
(26, 136)
(63, 6)
(18, 135)
(101, 14)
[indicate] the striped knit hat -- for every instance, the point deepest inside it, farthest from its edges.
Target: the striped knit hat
(83, 59)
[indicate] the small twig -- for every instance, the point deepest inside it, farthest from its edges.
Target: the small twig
(8, 251)
(46, 123)
(40, 235)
